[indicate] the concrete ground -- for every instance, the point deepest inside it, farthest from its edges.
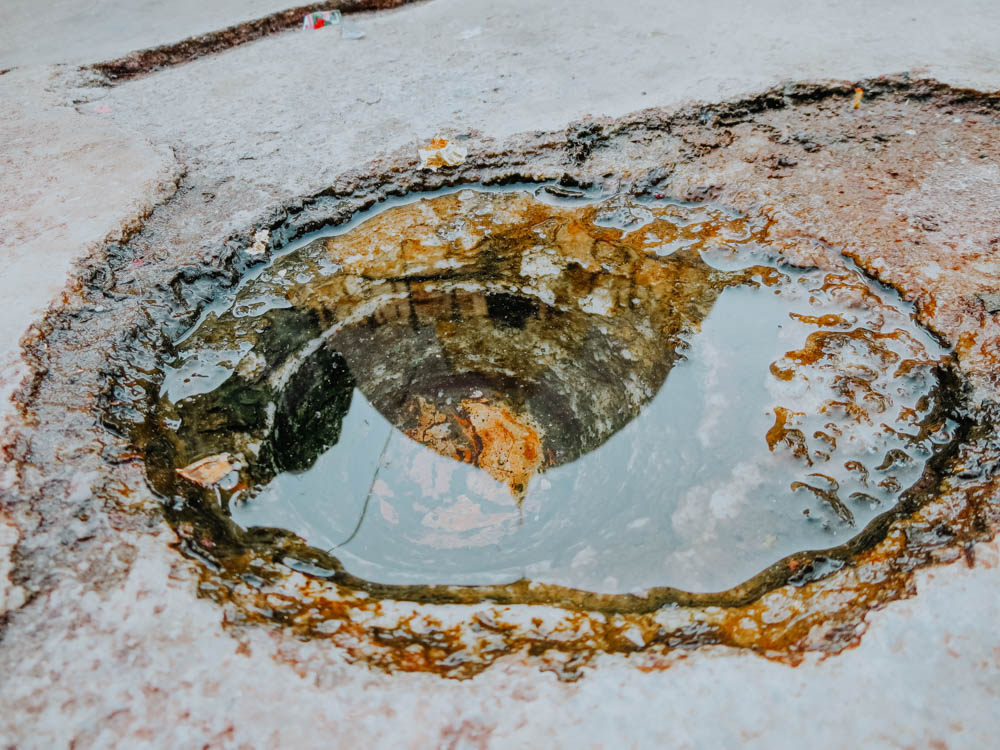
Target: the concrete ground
(281, 117)
(78, 33)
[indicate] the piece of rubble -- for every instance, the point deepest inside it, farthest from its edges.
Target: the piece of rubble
(259, 245)
(990, 300)
(441, 152)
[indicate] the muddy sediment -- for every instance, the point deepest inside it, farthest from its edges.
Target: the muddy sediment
(906, 187)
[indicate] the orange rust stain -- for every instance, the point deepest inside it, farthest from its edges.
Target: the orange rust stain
(830, 439)
(830, 320)
(487, 435)
(511, 449)
(768, 276)
(780, 433)
(849, 288)
(822, 345)
(858, 468)
(909, 365)
(848, 409)
(577, 243)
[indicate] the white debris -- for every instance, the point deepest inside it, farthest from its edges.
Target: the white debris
(259, 245)
(635, 635)
(598, 302)
(441, 152)
(350, 30)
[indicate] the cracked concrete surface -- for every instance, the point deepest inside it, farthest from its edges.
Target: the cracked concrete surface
(145, 661)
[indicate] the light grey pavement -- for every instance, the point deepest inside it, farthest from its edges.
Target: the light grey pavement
(282, 117)
(66, 183)
(88, 31)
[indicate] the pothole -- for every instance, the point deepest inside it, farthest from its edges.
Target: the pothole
(646, 396)
(598, 395)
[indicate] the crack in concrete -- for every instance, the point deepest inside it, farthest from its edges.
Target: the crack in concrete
(143, 62)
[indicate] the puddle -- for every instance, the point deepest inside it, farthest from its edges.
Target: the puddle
(605, 395)
(646, 395)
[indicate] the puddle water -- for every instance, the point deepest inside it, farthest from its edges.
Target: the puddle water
(608, 395)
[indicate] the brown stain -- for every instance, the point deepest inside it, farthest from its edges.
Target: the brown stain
(486, 435)
(823, 321)
(780, 433)
(822, 345)
(828, 495)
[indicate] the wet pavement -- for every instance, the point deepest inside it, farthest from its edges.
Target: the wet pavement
(143, 613)
(610, 396)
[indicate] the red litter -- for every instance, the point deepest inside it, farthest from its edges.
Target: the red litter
(320, 19)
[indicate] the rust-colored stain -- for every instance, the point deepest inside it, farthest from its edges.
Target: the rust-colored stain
(781, 433)
(511, 451)
(502, 444)
(486, 435)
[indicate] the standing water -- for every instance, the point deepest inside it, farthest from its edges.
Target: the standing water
(607, 395)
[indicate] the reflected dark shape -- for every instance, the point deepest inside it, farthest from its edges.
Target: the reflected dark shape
(515, 337)
(515, 349)
(309, 411)
(510, 309)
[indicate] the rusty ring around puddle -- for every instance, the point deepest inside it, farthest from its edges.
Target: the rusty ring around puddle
(199, 503)
(256, 574)
(806, 602)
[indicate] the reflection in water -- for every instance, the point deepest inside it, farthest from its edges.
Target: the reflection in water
(474, 388)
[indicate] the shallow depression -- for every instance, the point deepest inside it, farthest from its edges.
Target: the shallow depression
(601, 393)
